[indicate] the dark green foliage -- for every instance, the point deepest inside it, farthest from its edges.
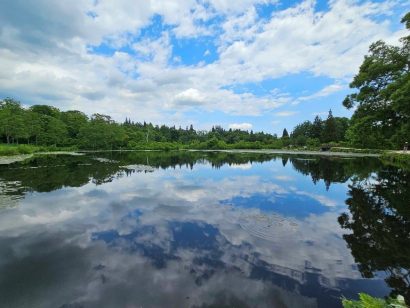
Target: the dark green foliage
(334, 170)
(47, 126)
(401, 160)
(333, 129)
(302, 132)
(367, 301)
(75, 121)
(382, 117)
(12, 121)
(317, 128)
(379, 228)
(285, 133)
(329, 132)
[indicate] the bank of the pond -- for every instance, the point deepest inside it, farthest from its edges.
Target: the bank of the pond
(296, 152)
(14, 153)
(399, 159)
(26, 149)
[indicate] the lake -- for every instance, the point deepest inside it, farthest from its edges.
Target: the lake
(201, 229)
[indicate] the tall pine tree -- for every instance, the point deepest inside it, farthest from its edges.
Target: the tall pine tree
(329, 129)
(317, 128)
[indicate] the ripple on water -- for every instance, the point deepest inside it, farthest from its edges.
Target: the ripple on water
(267, 226)
(10, 193)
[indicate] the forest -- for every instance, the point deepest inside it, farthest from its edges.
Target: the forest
(42, 125)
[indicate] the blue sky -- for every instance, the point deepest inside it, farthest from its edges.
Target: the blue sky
(250, 64)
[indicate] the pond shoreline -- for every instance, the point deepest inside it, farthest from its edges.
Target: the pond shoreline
(293, 152)
(386, 156)
(5, 160)
(260, 151)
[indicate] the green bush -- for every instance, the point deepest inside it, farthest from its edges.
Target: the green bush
(367, 301)
(400, 160)
(8, 150)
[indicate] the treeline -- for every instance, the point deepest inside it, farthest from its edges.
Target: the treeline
(44, 125)
(319, 132)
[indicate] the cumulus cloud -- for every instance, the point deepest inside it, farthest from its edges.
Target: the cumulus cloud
(189, 97)
(94, 56)
(173, 195)
(241, 126)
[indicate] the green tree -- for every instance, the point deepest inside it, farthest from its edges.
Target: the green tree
(12, 124)
(317, 128)
(53, 131)
(74, 120)
(285, 133)
(302, 132)
(46, 110)
(379, 227)
(102, 132)
(342, 124)
(34, 128)
(329, 132)
(383, 89)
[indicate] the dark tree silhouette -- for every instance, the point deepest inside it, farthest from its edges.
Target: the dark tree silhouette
(379, 220)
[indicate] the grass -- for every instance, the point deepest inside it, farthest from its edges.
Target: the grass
(353, 150)
(401, 160)
(18, 149)
(9, 150)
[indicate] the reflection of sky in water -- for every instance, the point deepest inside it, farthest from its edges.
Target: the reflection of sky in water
(182, 237)
(290, 205)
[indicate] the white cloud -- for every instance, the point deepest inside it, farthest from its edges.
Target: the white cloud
(189, 97)
(241, 126)
(285, 113)
(319, 198)
(326, 91)
(46, 55)
(246, 166)
(285, 178)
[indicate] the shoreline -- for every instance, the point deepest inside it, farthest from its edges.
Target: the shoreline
(8, 159)
(293, 152)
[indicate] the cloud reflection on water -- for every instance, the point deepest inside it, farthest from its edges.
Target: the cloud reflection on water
(177, 238)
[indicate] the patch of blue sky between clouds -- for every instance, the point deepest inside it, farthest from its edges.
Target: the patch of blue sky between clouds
(152, 32)
(300, 84)
(265, 10)
(185, 51)
(107, 50)
(193, 51)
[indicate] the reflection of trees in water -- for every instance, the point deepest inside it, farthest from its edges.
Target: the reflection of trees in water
(10, 193)
(379, 220)
(46, 173)
(334, 170)
(50, 172)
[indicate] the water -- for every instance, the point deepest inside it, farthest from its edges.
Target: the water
(151, 229)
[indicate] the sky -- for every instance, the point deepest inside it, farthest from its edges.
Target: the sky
(263, 65)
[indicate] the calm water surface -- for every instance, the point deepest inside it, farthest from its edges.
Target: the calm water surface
(151, 229)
